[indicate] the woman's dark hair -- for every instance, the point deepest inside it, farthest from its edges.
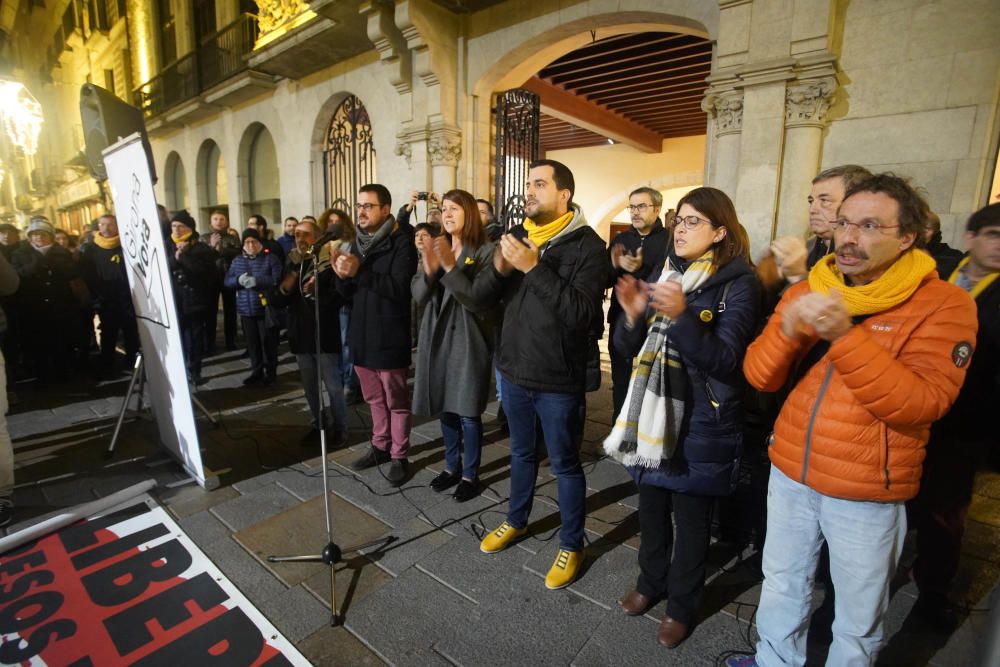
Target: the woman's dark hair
(347, 232)
(473, 234)
(718, 208)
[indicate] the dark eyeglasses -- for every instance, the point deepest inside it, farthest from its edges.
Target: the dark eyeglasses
(690, 222)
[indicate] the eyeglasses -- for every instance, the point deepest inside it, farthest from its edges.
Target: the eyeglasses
(366, 207)
(690, 223)
(865, 228)
(639, 208)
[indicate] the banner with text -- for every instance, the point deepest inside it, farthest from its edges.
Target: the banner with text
(144, 252)
(128, 587)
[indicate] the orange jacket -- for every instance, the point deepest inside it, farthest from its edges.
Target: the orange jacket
(856, 424)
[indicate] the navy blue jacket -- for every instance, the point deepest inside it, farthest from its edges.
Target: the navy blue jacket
(711, 438)
(266, 268)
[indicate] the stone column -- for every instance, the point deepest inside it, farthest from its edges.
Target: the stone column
(806, 104)
(445, 150)
(726, 111)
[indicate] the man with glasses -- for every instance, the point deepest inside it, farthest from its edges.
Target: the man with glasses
(638, 251)
(965, 437)
(376, 276)
(875, 347)
(793, 255)
(549, 273)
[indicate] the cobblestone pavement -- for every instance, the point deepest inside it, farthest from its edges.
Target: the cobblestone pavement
(429, 597)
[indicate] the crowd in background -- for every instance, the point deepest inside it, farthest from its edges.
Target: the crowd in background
(860, 359)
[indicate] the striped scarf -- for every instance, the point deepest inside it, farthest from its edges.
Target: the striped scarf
(647, 429)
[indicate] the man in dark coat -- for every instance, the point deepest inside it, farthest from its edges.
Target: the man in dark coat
(49, 278)
(376, 276)
(225, 241)
(105, 274)
(196, 286)
(638, 251)
(550, 273)
(965, 437)
(297, 293)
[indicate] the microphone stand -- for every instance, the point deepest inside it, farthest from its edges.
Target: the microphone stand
(332, 553)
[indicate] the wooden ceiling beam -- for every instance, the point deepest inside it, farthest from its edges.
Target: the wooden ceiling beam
(658, 57)
(700, 68)
(559, 103)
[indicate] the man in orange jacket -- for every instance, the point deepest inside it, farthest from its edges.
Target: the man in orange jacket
(875, 347)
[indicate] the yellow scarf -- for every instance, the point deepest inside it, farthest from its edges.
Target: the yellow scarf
(978, 287)
(542, 234)
(108, 243)
(892, 288)
(181, 238)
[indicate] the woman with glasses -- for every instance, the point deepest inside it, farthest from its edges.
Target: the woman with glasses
(455, 348)
(679, 432)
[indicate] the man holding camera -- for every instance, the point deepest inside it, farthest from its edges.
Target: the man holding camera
(376, 276)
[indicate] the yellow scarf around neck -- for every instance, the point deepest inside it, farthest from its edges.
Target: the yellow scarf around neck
(181, 238)
(978, 288)
(108, 243)
(542, 234)
(892, 288)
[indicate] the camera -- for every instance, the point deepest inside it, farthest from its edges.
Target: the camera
(423, 196)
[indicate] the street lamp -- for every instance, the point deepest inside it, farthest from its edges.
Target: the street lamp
(20, 115)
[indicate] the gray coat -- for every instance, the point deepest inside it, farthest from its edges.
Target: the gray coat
(455, 350)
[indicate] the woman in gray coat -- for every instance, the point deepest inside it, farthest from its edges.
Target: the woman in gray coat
(455, 349)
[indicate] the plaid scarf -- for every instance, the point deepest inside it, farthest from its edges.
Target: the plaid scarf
(647, 429)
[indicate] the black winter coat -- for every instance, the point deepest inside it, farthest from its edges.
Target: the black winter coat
(195, 277)
(302, 315)
(550, 313)
(711, 437)
(379, 334)
(106, 276)
(45, 295)
(654, 253)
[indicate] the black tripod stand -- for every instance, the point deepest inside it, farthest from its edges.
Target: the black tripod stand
(332, 553)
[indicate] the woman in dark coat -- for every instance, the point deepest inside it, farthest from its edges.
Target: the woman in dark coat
(196, 286)
(455, 348)
(680, 429)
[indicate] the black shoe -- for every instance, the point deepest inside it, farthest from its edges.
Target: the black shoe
(6, 511)
(253, 379)
(466, 490)
(397, 472)
(937, 611)
(353, 397)
(445, 480)
(370, 459)
(310, 439)
(337, 438)
(269, 380)
(199, 380)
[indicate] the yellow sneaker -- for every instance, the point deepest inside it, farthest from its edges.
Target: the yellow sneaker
(501, 538)
(564, 569)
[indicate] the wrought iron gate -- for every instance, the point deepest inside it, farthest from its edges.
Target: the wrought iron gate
(517, 118)
(348, 155)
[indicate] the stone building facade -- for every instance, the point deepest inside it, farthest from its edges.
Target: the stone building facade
(795, 86)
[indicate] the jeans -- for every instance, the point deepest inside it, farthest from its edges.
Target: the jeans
(112, 321)
(865, 540)
(330, 369)
(673, 566)
(346, 358)
(467, 431)
(558, 414)
(621, 376)
(499, 390)
(388, 398)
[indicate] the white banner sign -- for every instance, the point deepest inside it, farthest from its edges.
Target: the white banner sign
(153, 297)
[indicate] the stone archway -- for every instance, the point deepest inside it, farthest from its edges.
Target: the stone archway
(538, 43)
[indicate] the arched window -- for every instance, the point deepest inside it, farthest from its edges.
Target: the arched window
(260, 165)
(212, 181)
(348, 154)
(175, 186)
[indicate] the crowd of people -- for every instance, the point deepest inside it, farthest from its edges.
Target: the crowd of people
(866, 351)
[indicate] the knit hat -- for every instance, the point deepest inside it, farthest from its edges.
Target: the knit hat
(7, 227)
(40, 223)
(250, 234)
(183, 217)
